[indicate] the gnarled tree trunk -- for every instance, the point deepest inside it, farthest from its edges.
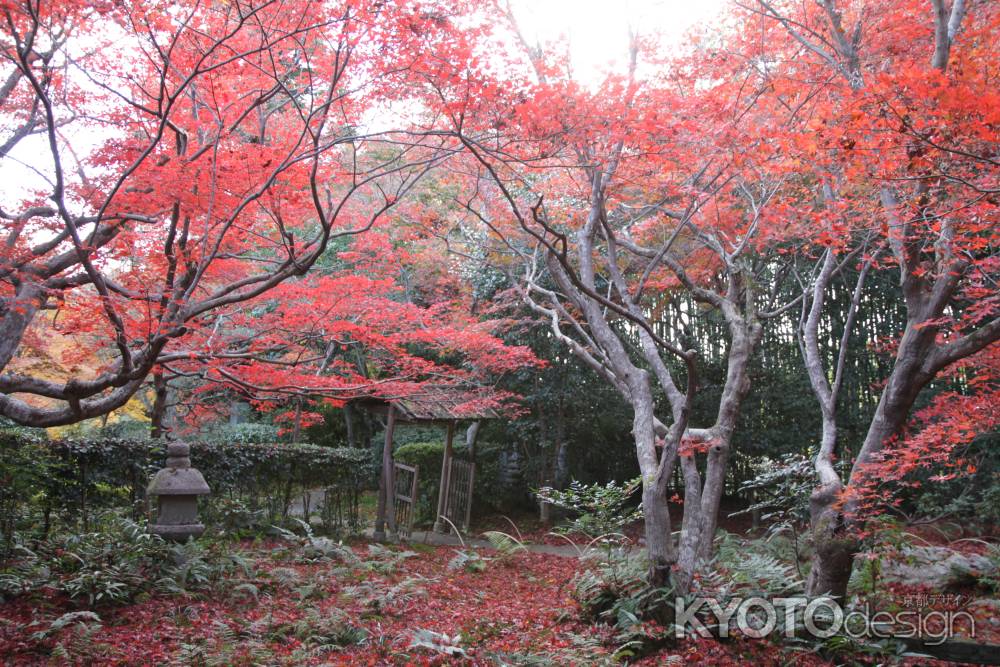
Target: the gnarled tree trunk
(834, 546)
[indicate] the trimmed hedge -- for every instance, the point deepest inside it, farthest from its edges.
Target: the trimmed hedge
(69, 479)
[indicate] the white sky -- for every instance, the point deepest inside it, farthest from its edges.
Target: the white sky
(598, 29)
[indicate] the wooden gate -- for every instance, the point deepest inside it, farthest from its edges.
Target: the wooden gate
(404, 498)
(458, 505)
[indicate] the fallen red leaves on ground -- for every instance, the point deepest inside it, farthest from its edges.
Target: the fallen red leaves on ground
(519, 606)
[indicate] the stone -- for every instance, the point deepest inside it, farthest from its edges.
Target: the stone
(177, 487)
(178, 482)
(935, 567)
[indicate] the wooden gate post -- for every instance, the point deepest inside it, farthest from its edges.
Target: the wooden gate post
(442, 507)
(472, 485)
(386, 483)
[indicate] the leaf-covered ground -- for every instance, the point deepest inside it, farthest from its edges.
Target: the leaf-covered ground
(367, 611)
(365, 606)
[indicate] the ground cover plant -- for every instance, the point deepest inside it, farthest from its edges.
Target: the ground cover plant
(302, 599)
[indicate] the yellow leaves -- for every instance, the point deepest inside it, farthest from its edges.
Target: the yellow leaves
(133, 411)
(57, 356)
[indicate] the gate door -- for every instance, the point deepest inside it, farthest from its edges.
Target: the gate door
(405, 479)
(459, 503)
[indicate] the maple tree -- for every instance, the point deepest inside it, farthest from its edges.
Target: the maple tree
(372, 321)
(601, 209)
(938, 435)
(899, 153)
(231, 148)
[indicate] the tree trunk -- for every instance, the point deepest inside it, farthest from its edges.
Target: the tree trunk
(655, 508)
(157, 419)
(297, 425)
(386, 496)
(349, 425)
(30, 296)
(744, 339)
(834, 546)
(659, 542)
(832, 527)
(901, 391)
(471, 437)
(711, 497)
(692, 525)
(559, 469)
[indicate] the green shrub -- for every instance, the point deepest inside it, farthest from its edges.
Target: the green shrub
(118, 562)
(600, 589)
(108, 566)
(24, 470)
(243, 433)
(253, 484)
(614, 591)
(598, 510)
(269, 477)
(754, 567)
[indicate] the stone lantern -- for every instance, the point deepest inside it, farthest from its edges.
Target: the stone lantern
(177, 487)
